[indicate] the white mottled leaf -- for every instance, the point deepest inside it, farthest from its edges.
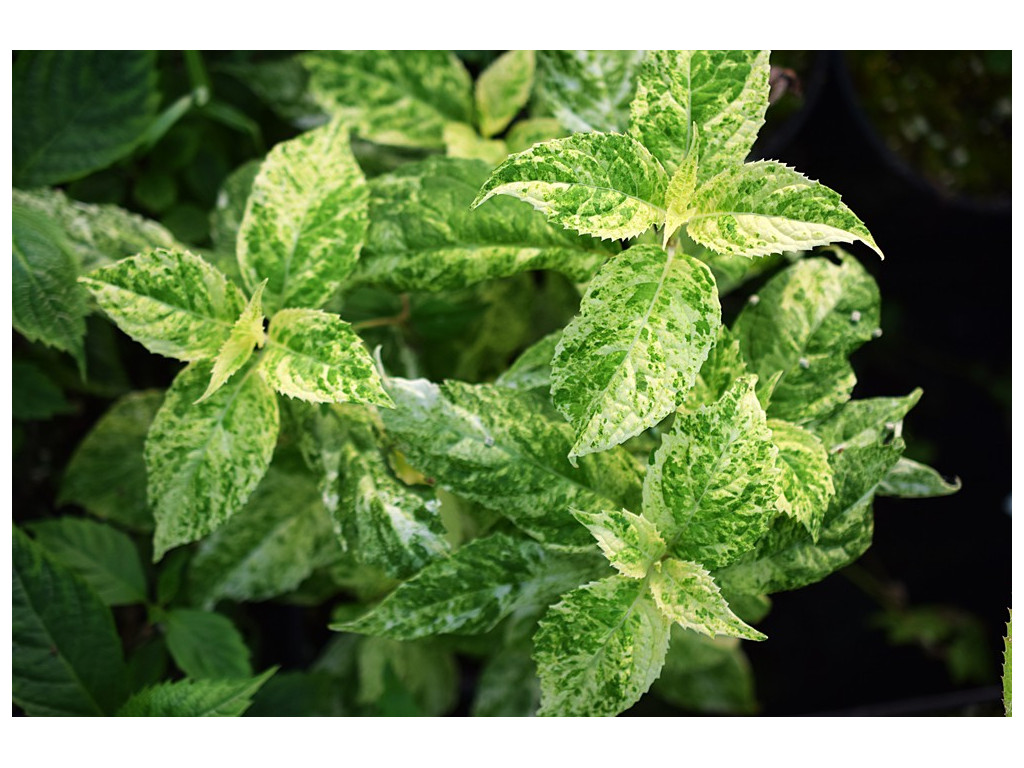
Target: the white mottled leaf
(805, 478)
(205, 459)
(630, 542)
(724, 94)
(766, 207)
(317, 357)
(172, 302)
(724, 365)
(587, 90)
(687, 595)
(532, 369)
(910, 479)
(645, 326)
(711, 486)
(305, 219)
(463, 142)
(602, 184)
(503, 89)
(681, 187)
(246, 333)
(525, 133)
(600, 648)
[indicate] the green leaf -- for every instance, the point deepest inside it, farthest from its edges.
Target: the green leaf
(195, 698)
(711, 486)
(600, 648)
(806, 322)
(205, 459)
(508, 685)
(406, 679)
(721, 94)
(206, 645)
(305, 219)
(724, 365)
(66, 655)
(587, 90)
(78, 111)
(707, 675)
(229, 211)
(470, 591)
(97, 234)
(601, 184)
(268, 548)
(246, 333)
(172, 302)
(463, 142)
(805, 478)
(686, 594)
(317, 357)
(34, 395)
(503, 89)
(630, 542)
(283, 85)
(532, 369)
(503, 449)
(103, 557)
(766, 207)
(424, 237)
(909, 479)
(47, 304)
(681, 187)
(401, 98)
(1007, 677)
(645, 326)
(300, 694)
(107, 473)
(525, 133)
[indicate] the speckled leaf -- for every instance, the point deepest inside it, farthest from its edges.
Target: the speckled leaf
(66, 657)
(600, 648)
(687, 595)
(503, 89)
(424, 237)
(863, 423)
(723, 93)
(681, 187)
(405, 679)
(172, 302)
(204, 460)
(246, 333)
(401, 98)
(805, 475)
(630, 542)
(107, 474)
(507, 451)
(766, 207)
(601, 184)
(97, 234)
(271, 546)
(99, 554)
(226, 217)
(705, 674)
(724, 365)
(47, 304)
(463, 142)
(711, 486)
(525, 133)
(909, 479)
(645, 326)
(317, 357)
(808, 319)
(587, 90)
(305, 219)
(532, 369)
(195, 698)
(468, 592)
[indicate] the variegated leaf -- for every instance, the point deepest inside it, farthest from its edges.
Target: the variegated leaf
(711, 487)
(766, 207)
(525, 133)
(645, 326)
(424, 237)
(724, 365)
(470, 591)
(910, 479)
(317, 357)
(805, 475)
(229, 210)
(705, 674)
(681, 187)
(532, 369)
(630, 542)
(601, 184)
(305, 219)
(686, 594)
(463, 142)
(600, 648)
(505, 450)
(723, 93)
(401, 98)
(172, 302)
(587, 90)
(805, 323)
(503, 89)
(246, 333)
(205, 459)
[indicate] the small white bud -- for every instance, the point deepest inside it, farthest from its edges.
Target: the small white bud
(877, 333)
(488, 441)
(855, 316)
(804, 362)
(754, 299)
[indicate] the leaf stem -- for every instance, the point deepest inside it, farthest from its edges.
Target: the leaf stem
(400, 319)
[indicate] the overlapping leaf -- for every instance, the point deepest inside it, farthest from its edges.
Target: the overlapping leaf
(195, 698)
(503, 89)
(172, 302)
(246, 333)
(601, 184)
(702, 674)
(424, 237)
(910, 479)
(587, 90)
(645, 326)
(686, 594)
(204, 459)
(805, 475)
(630, 542)
(532, 369)
(305, 219)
